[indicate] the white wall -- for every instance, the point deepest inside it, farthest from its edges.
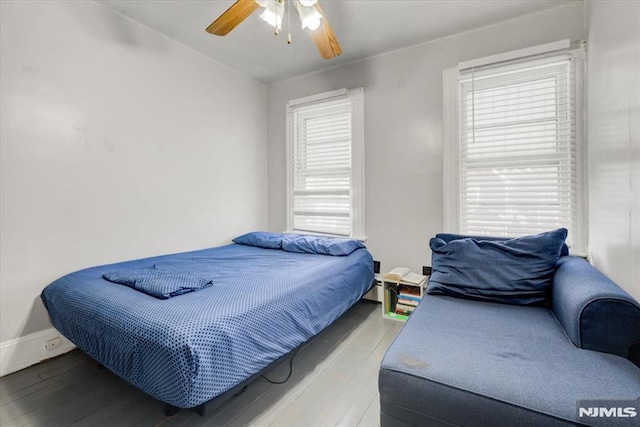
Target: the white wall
(117, 143)
(403, 128)
(614, 140)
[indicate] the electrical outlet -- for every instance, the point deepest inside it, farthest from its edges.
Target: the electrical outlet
(426, 271)
(52, 343)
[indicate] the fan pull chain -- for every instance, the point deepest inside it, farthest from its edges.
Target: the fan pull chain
(279, 3)
(289, 23)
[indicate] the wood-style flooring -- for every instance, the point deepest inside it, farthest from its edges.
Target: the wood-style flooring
(334, 383)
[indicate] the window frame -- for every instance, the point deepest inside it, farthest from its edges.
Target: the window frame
(357, 213)
(451, 125)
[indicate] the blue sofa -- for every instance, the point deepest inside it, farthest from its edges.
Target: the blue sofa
(472, 363)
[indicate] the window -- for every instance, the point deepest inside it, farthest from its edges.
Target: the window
(517, 152)
(325, 164)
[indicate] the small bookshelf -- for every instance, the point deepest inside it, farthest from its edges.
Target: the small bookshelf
(399, 298)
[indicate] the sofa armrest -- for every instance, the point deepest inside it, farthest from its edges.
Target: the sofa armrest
(595, 312)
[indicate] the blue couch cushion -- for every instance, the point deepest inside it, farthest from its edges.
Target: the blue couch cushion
(516, 271)
(320, 245)
(466, 362)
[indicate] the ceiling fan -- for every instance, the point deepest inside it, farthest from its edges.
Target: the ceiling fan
(310, 12)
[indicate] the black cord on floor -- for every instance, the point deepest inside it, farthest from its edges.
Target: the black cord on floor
(288, 376)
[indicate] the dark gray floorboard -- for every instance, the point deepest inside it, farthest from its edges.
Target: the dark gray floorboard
(334, 382)
(34, 375)
(33, 389)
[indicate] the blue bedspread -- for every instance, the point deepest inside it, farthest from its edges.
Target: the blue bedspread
(191, 348)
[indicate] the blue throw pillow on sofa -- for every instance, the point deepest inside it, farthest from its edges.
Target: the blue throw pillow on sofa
(516, 271)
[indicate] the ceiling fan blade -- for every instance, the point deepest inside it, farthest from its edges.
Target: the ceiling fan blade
(232, 17)
(325, 39)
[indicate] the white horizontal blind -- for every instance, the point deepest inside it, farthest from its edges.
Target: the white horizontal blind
(518, 170)
(321, 167)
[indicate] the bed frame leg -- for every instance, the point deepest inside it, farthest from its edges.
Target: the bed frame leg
(170, 410)
(201, 410)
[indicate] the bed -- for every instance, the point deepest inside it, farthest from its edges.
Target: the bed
(260, 304)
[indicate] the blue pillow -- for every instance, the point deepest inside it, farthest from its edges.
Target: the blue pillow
(447, 237)
(320, 245)
(260, 239)
(516, 271)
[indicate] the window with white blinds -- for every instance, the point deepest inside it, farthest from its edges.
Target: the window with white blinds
(325, 165)
(519, 159)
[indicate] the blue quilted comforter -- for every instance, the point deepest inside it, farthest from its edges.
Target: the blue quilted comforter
(188, 349)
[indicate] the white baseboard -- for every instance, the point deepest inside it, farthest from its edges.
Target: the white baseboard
(19, 353)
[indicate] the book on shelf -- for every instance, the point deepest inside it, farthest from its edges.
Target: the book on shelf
(391, 299)
(405, 301)
(409, 291)
(403, 274)
(404, 308)
(396, 316)
(403, 313)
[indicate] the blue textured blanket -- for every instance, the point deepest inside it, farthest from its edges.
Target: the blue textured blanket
(158, 283)
(190, 349)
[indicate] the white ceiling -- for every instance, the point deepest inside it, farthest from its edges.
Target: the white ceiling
(363, 27)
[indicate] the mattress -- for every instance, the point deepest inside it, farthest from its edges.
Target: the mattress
(189, 349)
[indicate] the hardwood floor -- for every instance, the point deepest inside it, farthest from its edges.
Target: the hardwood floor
(334, 383)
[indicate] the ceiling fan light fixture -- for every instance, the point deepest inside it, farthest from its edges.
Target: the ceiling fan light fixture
(273, 14)
(309, 16)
